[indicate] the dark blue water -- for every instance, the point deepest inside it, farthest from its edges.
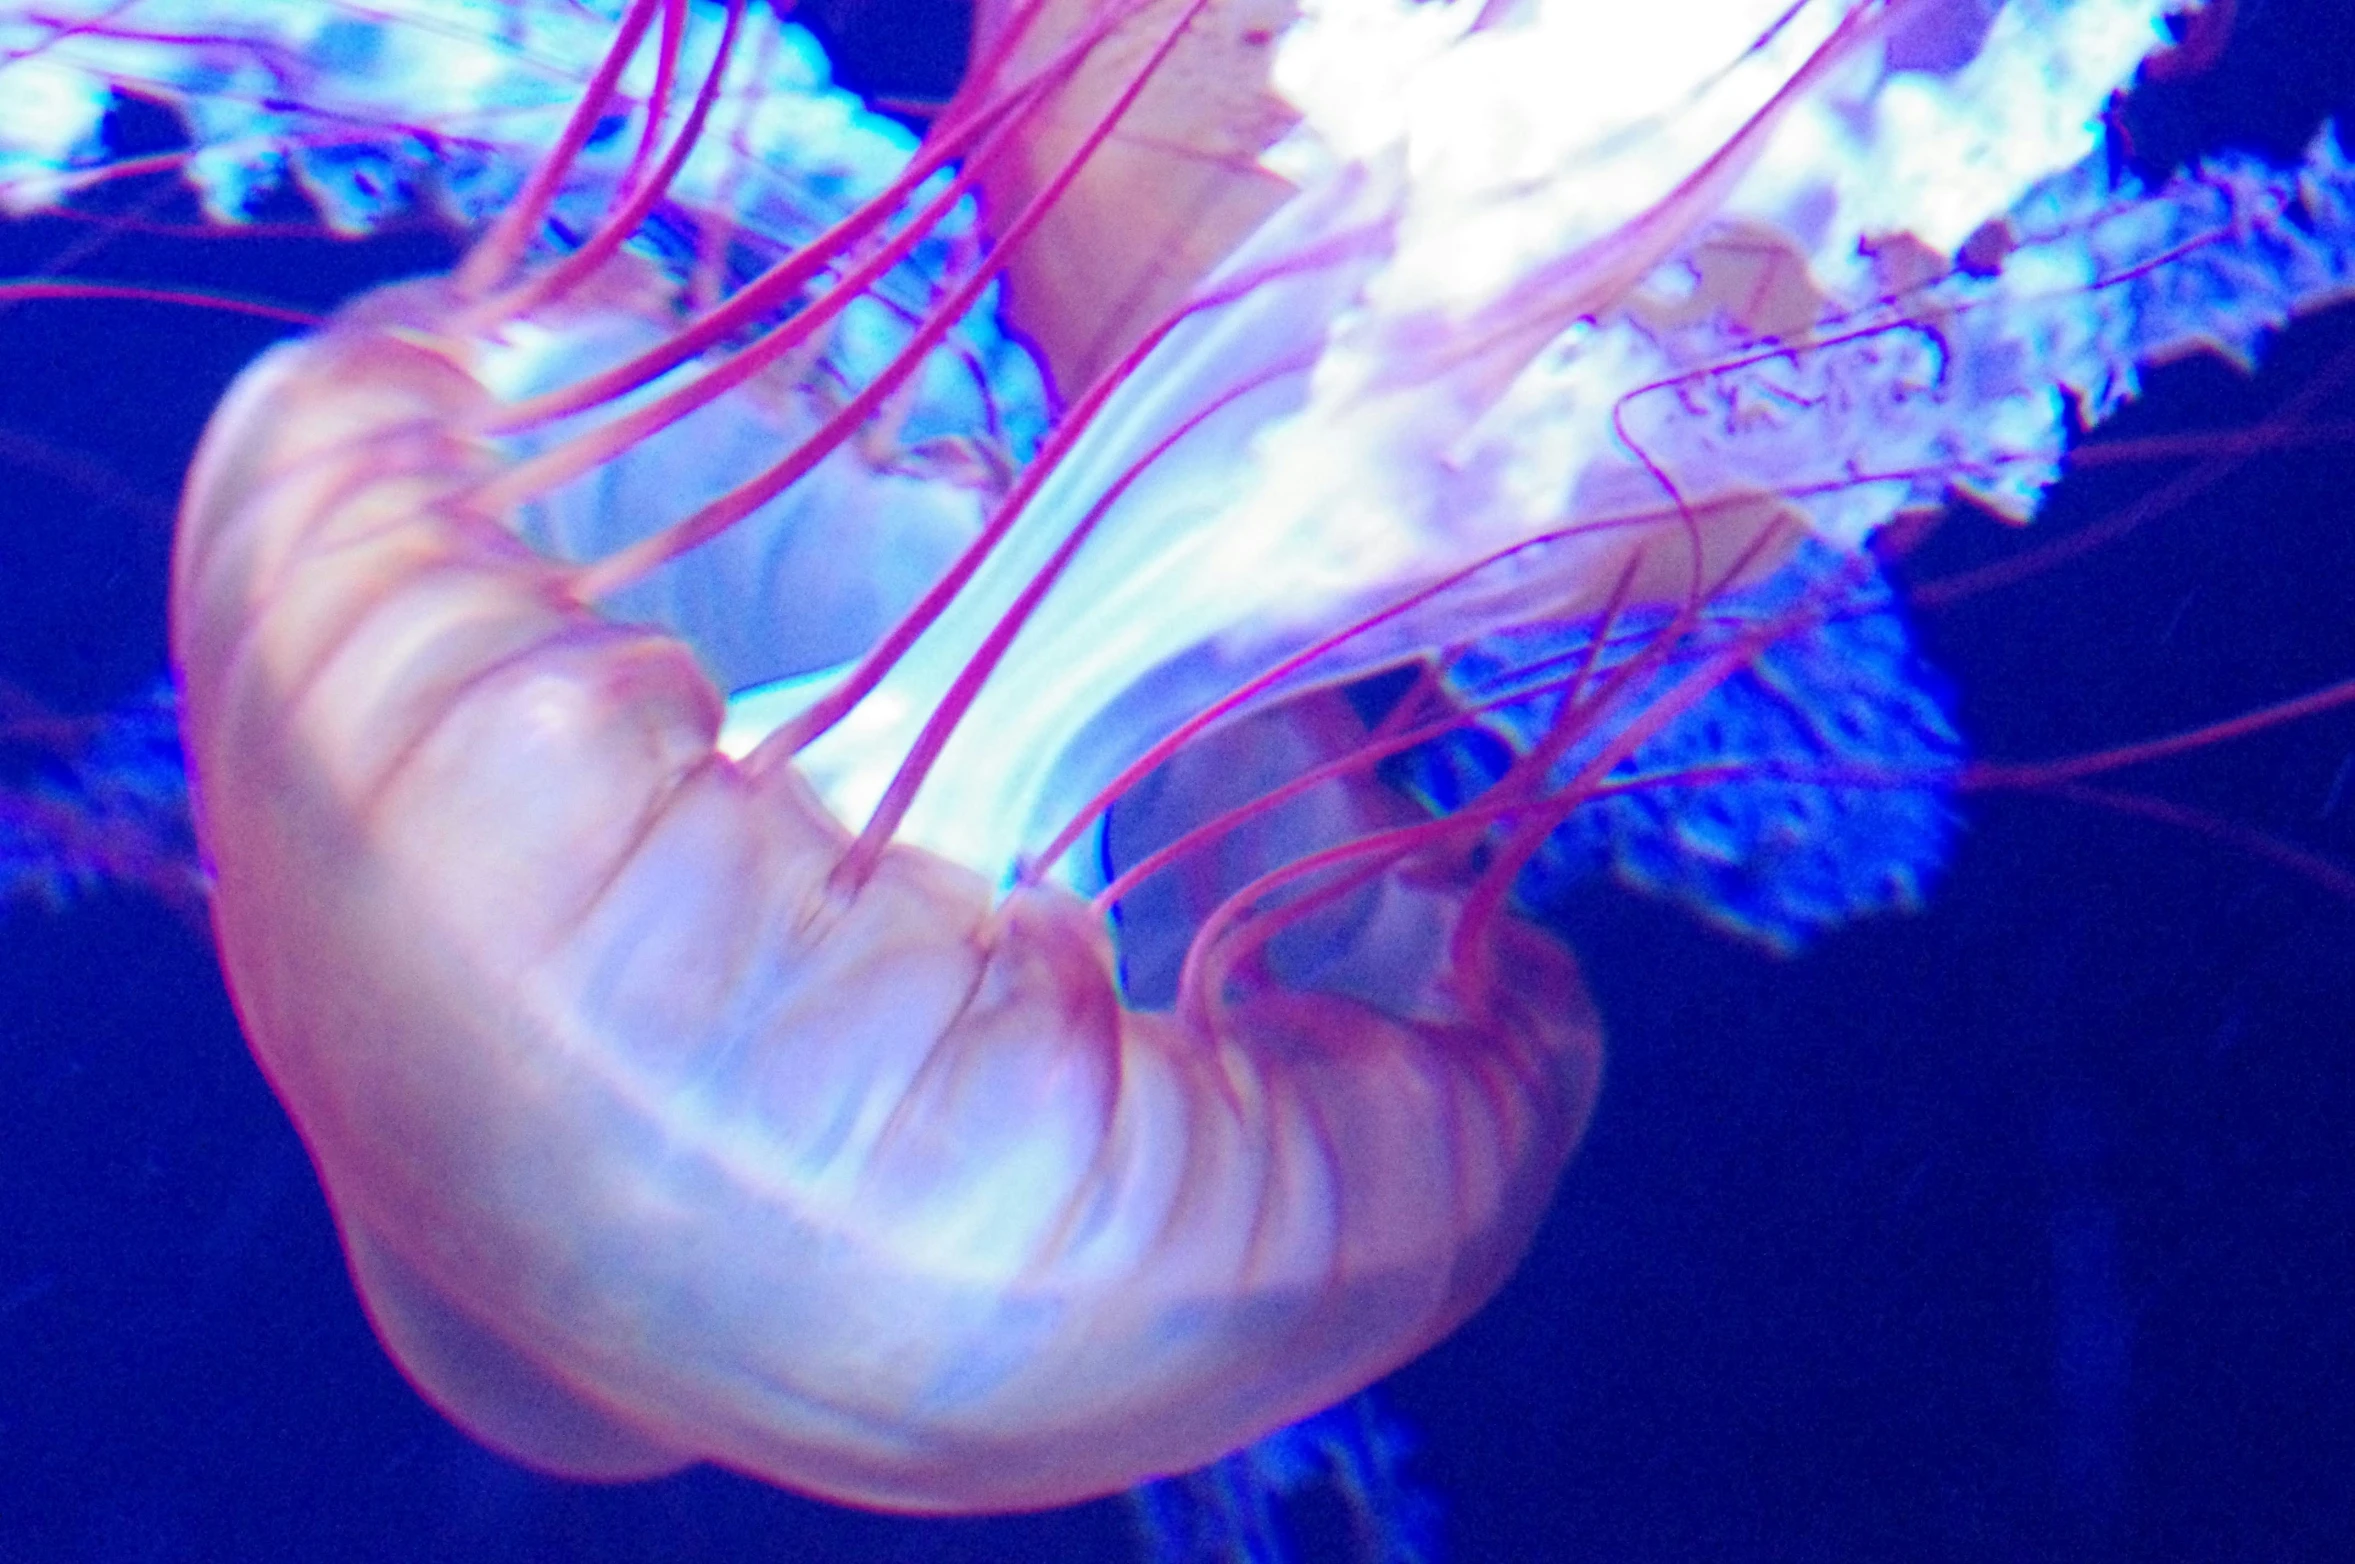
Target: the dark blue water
(2023, 1228)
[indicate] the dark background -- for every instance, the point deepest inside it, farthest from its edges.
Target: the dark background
(2020, 1229)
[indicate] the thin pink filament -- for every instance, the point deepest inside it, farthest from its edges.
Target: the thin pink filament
(504, 245)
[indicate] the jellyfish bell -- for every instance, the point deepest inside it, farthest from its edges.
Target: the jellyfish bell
(1021, 1042)
(652, 1135)
(651, 1144)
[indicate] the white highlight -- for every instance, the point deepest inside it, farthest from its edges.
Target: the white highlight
(1465, 161)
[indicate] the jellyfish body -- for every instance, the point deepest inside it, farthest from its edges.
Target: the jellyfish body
(664, 1120)
(649, 1144)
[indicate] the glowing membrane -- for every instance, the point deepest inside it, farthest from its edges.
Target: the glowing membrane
(1444, 380)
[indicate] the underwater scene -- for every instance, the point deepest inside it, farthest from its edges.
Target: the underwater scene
(1599, 771)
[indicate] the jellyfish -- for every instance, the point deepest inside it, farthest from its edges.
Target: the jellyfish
(806, 933)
